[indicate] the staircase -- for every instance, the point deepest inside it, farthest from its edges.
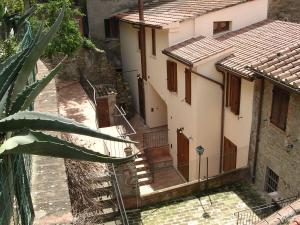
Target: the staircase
(143, 169)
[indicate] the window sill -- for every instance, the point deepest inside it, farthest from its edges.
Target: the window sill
(278, 129)
(220, 34)
(111, 39)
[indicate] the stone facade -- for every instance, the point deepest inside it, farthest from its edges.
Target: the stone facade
(279, 150)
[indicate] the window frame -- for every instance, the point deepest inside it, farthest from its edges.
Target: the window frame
(172, 76)
(219, 28)
(271, 176)
(280, 102)
(234, 95)
(188, 86)
(111, 27)
(153, 34)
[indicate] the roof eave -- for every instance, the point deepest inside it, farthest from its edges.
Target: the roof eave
(140, 23)
(275, 81)
(182, 60)
(236, 73)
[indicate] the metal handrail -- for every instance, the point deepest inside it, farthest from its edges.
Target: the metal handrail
(84, 80)
(253, 215)
(117, 189)
(122, 114)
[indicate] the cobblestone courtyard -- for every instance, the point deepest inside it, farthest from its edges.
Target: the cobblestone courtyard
(211, 208)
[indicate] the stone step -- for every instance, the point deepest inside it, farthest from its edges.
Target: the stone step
(100, 179)
(162, 162)
(144, 173)
(140, 160)
(103, 216)
(145, 180)
(141, 167)
(102, 191)
(115, 222)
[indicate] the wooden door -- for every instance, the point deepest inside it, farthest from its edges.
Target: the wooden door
(103, 112)
(141, 97)
(183, 155)
(230, 153)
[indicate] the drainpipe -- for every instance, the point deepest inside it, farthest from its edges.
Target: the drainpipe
(222, 123)
(142, 39)
(258, 128)
(222, 85)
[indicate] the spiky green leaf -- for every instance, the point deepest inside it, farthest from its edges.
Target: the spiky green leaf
(37, 143)
(50, 122)
(34, 55)
(27, 96)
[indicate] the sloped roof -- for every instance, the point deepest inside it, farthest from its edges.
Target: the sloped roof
(196, 49)
(282, 66)
(163, 12)
(257, 41)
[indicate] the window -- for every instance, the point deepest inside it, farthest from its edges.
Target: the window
(234, 95)
(221, 26)
(188, 86)
(153, 42)
(172, 76)
(111, 27)
(280, 104)
(271, 181)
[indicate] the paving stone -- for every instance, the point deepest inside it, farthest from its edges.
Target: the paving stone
(195, 210)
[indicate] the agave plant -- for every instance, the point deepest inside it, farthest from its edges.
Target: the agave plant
(20, 128)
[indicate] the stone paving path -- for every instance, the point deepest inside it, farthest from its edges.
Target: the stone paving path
(211, 208)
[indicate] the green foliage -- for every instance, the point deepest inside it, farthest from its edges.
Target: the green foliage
(69, 38)
(42, 144)
(87, 43)
(14, 6)
(16, 94)
(7, 48)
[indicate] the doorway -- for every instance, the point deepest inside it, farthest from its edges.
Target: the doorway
(183, 154)
(230, 155)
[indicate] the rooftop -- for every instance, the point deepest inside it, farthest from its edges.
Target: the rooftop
(196, 49)
(282, 66)
(160, 13)
(257, 41)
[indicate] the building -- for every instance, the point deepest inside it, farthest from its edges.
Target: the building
(277, 127)
(190, 74)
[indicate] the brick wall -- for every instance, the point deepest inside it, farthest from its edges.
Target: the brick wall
(273, 151)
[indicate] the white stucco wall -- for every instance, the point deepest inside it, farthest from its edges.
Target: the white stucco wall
(238, 127)
(241, 16)
(131, 59)
(202, 119)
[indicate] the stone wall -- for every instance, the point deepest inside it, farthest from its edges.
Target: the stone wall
(287, 10)
(274, 151)
(92, 62)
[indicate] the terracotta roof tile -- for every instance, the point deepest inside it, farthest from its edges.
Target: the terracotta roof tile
(196, 49)
(164, 12)
(283, 66)
(259, 42)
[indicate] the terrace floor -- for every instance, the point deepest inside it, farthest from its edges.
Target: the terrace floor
(209, 208)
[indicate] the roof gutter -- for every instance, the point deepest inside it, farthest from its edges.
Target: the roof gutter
(273, 80)
(220, 67)
(184, 61)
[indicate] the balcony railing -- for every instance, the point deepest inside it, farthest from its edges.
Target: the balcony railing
(259, 213)
(155, 139)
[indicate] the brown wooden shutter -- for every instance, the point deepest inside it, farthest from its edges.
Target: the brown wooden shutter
(172, 76)
(235, 94)
(188, 86)
(280, 103)
(153, 42)
(169, 74)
